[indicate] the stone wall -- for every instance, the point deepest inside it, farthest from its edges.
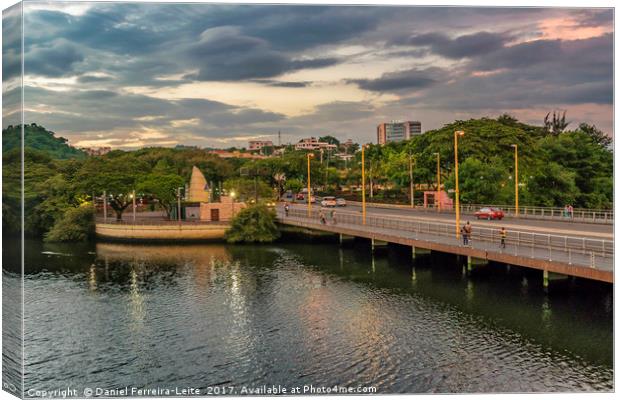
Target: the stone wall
(224, 210)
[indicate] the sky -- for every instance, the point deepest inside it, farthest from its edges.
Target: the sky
(129, 75)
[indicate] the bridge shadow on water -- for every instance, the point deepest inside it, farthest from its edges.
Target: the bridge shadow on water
(571, 314)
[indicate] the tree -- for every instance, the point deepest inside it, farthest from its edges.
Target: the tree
(253, 224)
(294, 185)
(329, 139)
(557, 123)
(163, 187)
(598, 136)
(248, 188)
(480, 183)
(76, 225)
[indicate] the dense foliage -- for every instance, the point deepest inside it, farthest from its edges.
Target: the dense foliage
(75, 225)
(253, 224)
(38, 138)
(555, 168)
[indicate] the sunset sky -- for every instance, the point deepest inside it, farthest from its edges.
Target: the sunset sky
(131, 75)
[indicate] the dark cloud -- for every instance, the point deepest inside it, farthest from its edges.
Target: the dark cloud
(413, 79)
(462, 46)
(54, 60)
(94, 78)
(225, 53)
(285, 84)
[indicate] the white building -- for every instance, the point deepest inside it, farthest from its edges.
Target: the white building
(313, 143)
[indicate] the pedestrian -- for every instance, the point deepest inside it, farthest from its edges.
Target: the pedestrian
(502, 235)
(565, 212)
(334, 217)
(570, 210)
(286, 208)
(322, 217)
(466, 232)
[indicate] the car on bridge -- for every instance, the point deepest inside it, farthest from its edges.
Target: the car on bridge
(328, 201)
(340, 202)
(489, 213)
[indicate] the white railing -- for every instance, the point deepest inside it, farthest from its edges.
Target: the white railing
(525, 212)
(594, 253)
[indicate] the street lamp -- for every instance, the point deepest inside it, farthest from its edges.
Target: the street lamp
(232, 197)
(456, 177)
(310, 155)
(438, 196)
(133, 203)
(363, 187)
(411, 162)
(516, 179)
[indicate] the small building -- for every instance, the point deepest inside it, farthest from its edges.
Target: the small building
(313, 143)
(199, 204)
(222, 211)
(431, 199)
(254, 145)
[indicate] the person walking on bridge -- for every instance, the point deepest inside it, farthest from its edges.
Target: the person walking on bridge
(466, 231)
(502, 236)
(286, 208)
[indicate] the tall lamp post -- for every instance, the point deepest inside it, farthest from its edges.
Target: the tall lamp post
(363, 187)
(456, 177)
(516, 179)
(179, 205)
(438, 195)
(133, 204)
(232, 202)
(411, 162)
(309, 196)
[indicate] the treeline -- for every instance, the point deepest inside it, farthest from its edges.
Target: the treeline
(555, 168)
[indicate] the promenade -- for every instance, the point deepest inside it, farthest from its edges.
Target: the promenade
(581, 255)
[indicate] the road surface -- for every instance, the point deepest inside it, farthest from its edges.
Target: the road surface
(568, 228)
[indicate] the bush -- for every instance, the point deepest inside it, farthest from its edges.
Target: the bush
(76, 225)
(253, 224)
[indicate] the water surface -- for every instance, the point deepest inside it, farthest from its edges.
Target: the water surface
(113, 315)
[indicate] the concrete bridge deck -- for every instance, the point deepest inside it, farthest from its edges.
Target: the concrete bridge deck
(584, 257)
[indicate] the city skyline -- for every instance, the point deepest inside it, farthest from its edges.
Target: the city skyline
(133, 75)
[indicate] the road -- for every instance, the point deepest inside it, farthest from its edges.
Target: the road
(568, 228)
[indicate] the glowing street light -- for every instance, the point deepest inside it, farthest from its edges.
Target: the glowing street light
(516, 179)
(456, 176)
(438, 196)
(363, 186)
(310, 155)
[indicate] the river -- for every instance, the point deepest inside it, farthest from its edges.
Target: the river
(304, 312)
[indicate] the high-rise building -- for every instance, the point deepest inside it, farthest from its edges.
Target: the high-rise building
(396, 131)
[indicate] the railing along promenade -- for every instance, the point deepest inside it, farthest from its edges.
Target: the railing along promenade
(584, 215)
(570, 255)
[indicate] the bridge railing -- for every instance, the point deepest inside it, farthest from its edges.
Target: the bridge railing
(525, 212)
(573, 250)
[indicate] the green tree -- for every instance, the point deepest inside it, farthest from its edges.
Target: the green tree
(480, 183)
(76, 225)
(248, 188)
(253, 224)
(163, 187)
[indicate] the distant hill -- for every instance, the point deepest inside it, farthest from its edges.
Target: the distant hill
(39, 138)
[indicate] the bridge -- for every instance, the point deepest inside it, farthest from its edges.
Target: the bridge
(558, 248)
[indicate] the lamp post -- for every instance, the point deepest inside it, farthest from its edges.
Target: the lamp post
(411, 160)
(438, 195)
(133, 204)
(232, 197)
(310, 155)
(456, 177)
(363, 187)
(105, 207)
(516, 179)
(179, 205)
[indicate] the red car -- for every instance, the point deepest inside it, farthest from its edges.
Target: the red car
(489, 213)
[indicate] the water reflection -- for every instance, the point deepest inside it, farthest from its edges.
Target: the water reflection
(305, 314)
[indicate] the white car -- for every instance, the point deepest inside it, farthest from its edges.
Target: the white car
(340, 202)
(328, 201)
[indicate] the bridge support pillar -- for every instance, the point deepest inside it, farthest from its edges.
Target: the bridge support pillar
(473, 263)
(550, 277)
(374, 244)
